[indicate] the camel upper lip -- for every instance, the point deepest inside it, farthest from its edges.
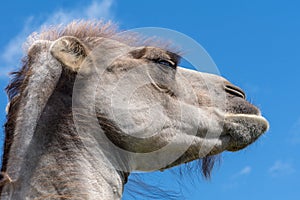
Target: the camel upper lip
(257, 117)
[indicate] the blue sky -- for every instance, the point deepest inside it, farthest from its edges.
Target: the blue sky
(255, 44)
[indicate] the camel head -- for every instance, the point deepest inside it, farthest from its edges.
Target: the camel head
(90, 105)
(152, 110)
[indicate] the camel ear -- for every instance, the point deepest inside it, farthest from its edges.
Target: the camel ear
(69, 51)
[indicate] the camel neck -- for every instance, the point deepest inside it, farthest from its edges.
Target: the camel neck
(60, 163)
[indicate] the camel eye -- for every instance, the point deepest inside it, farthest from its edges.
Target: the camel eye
(167, 63)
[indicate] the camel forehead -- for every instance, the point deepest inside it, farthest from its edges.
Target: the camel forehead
(140, 53)
(134, 56)
(92, 33)
(149, 51)
(137, 52)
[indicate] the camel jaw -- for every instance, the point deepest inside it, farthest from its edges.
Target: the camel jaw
(244, 129)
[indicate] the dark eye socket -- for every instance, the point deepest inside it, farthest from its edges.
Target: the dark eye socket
(164, 62)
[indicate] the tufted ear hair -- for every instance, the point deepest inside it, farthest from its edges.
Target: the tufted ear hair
(45, 72)
(70, 51)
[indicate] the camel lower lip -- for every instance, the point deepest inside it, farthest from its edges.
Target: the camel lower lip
(244, 129)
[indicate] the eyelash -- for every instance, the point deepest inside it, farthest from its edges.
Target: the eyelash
(165, 63)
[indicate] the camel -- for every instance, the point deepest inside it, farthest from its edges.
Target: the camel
(89, 106)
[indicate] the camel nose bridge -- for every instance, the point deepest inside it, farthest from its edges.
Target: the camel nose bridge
(234, 90)
(207, 81)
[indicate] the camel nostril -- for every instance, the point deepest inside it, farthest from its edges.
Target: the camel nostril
(234, 90)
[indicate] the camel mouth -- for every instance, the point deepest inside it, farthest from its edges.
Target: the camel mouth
(250, 118)
(244, 129)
